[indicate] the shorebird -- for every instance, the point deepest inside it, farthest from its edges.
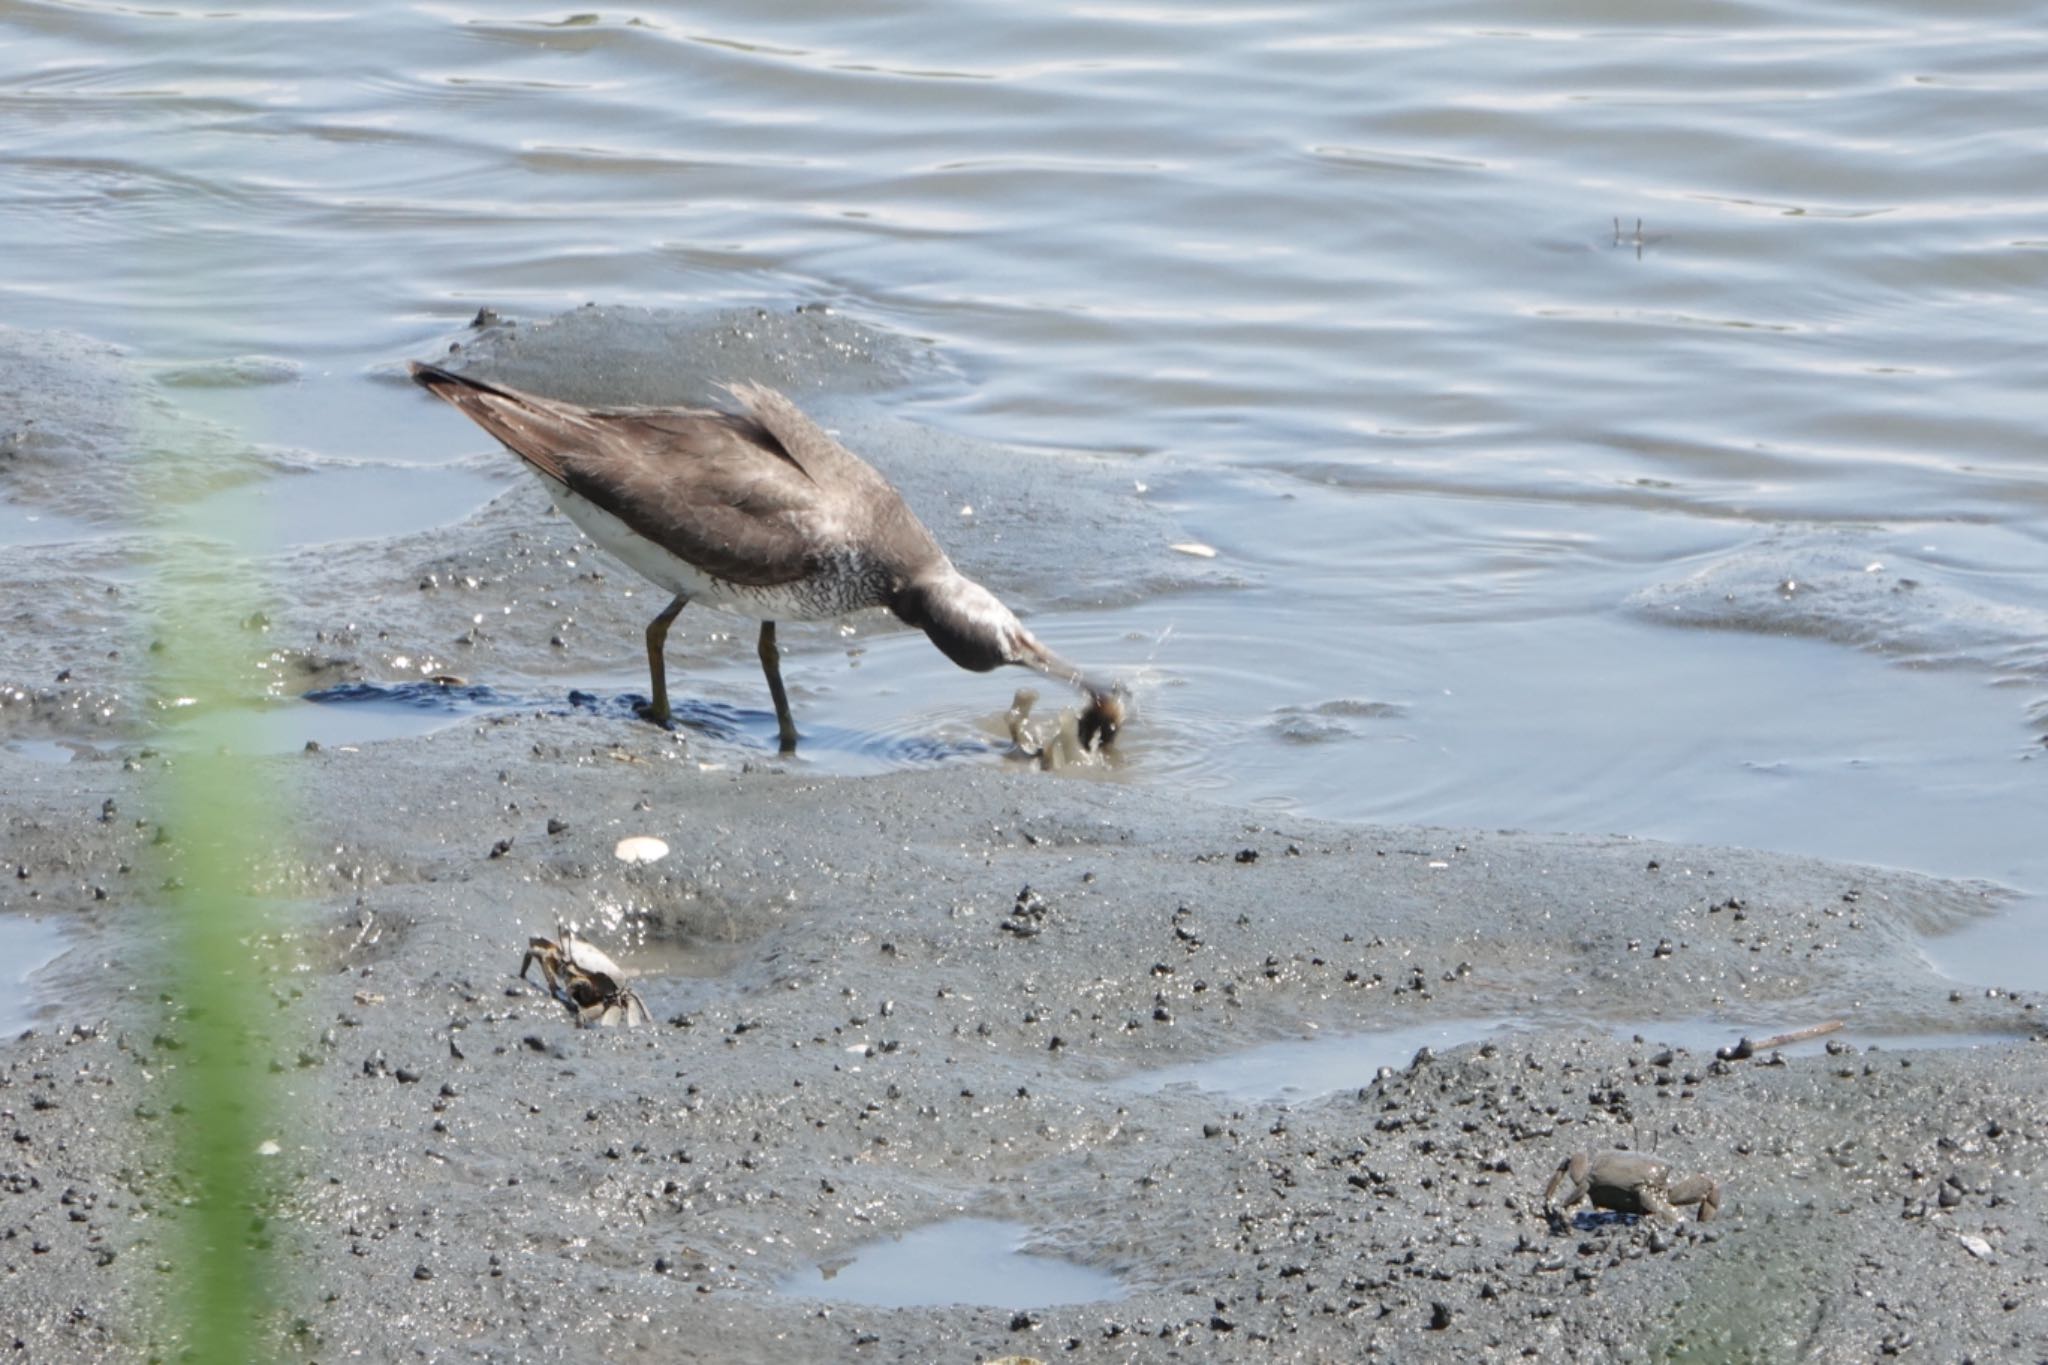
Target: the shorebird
(763, 513)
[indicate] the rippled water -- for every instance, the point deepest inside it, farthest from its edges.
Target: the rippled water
(1729, 526)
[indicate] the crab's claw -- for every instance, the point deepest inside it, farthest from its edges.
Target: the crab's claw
(1104, 716)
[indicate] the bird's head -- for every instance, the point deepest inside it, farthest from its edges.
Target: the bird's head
(972, 627)
(968, 623)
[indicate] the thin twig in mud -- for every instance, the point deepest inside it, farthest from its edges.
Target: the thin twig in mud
(1749, 1047)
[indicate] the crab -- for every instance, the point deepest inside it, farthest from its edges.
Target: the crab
(587, 982)
(1630, 1182)
(1072, 737)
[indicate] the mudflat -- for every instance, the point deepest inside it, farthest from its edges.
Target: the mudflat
(889, 1002)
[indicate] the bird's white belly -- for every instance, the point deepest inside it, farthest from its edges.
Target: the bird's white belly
(782, 602)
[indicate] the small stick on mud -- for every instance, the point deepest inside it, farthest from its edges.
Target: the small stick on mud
(1749, 1047)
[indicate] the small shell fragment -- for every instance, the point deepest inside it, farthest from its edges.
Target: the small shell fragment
(268, 1147)
(1195, 548)
(640, 848)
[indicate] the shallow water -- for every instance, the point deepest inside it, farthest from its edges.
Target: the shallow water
(366, 712)
(1729, 528)
(961, 1261)
(28, 943)
(1301, 1070)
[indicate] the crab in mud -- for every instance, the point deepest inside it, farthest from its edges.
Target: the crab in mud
(587, 982)
(1630, 1182)
(1073, 737)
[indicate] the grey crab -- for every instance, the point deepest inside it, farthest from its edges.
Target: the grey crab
(587, 982)
(1631, 1182)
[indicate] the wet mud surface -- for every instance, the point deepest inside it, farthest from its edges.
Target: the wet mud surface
(866, 1024)
(883, 1004)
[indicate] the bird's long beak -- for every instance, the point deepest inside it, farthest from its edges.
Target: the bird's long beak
(1108, 702)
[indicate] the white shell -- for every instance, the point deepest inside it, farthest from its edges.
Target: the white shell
(640, 848)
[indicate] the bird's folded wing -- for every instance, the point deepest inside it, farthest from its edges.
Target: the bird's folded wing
(709, 488)
(722, 491)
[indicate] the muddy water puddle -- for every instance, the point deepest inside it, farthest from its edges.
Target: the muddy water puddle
(650, 953)
(28, 944)
(332, 720)
(1705, 1036)
(975, 1261)
(1301, 1070)
(55, 750)
(365, 712)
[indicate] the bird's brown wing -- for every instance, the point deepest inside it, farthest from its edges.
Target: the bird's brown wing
(712, 488)
(889, 528)
(808, 445)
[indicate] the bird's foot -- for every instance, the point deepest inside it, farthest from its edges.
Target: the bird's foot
(654, 715)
